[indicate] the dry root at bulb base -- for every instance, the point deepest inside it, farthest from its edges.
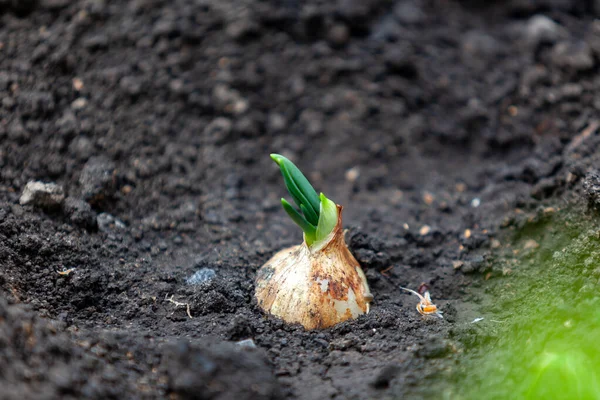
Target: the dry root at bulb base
(317, 286)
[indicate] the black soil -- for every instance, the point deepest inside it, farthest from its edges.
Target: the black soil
(436, 123)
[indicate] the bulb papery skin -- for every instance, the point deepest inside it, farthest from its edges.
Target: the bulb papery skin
(317, 286)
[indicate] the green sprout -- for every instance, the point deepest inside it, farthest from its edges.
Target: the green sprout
(316, 214)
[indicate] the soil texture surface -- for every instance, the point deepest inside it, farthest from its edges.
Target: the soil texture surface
(128, 270)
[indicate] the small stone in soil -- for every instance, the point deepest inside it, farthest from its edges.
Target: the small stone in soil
(541, 29)
(79, 104)
(44, 195)
(246, 343)
(80, 213)
(107, 222)
(97, 179)
(200, 276)
(352, 174)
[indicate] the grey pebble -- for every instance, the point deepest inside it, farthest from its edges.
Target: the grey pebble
(246, 343)
(200, 276)
(44, 195)
(80, 213)
(541, 29)
(107, 222)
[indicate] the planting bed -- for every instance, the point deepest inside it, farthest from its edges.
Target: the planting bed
(441, 126)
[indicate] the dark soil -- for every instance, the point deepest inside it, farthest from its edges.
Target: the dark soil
(436, 123)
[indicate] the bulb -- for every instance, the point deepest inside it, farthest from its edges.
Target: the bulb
(317, 286)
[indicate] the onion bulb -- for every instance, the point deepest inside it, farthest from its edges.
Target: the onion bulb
(318, 283)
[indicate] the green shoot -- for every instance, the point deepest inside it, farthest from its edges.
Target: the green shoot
(327, 218)
(317, 215)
